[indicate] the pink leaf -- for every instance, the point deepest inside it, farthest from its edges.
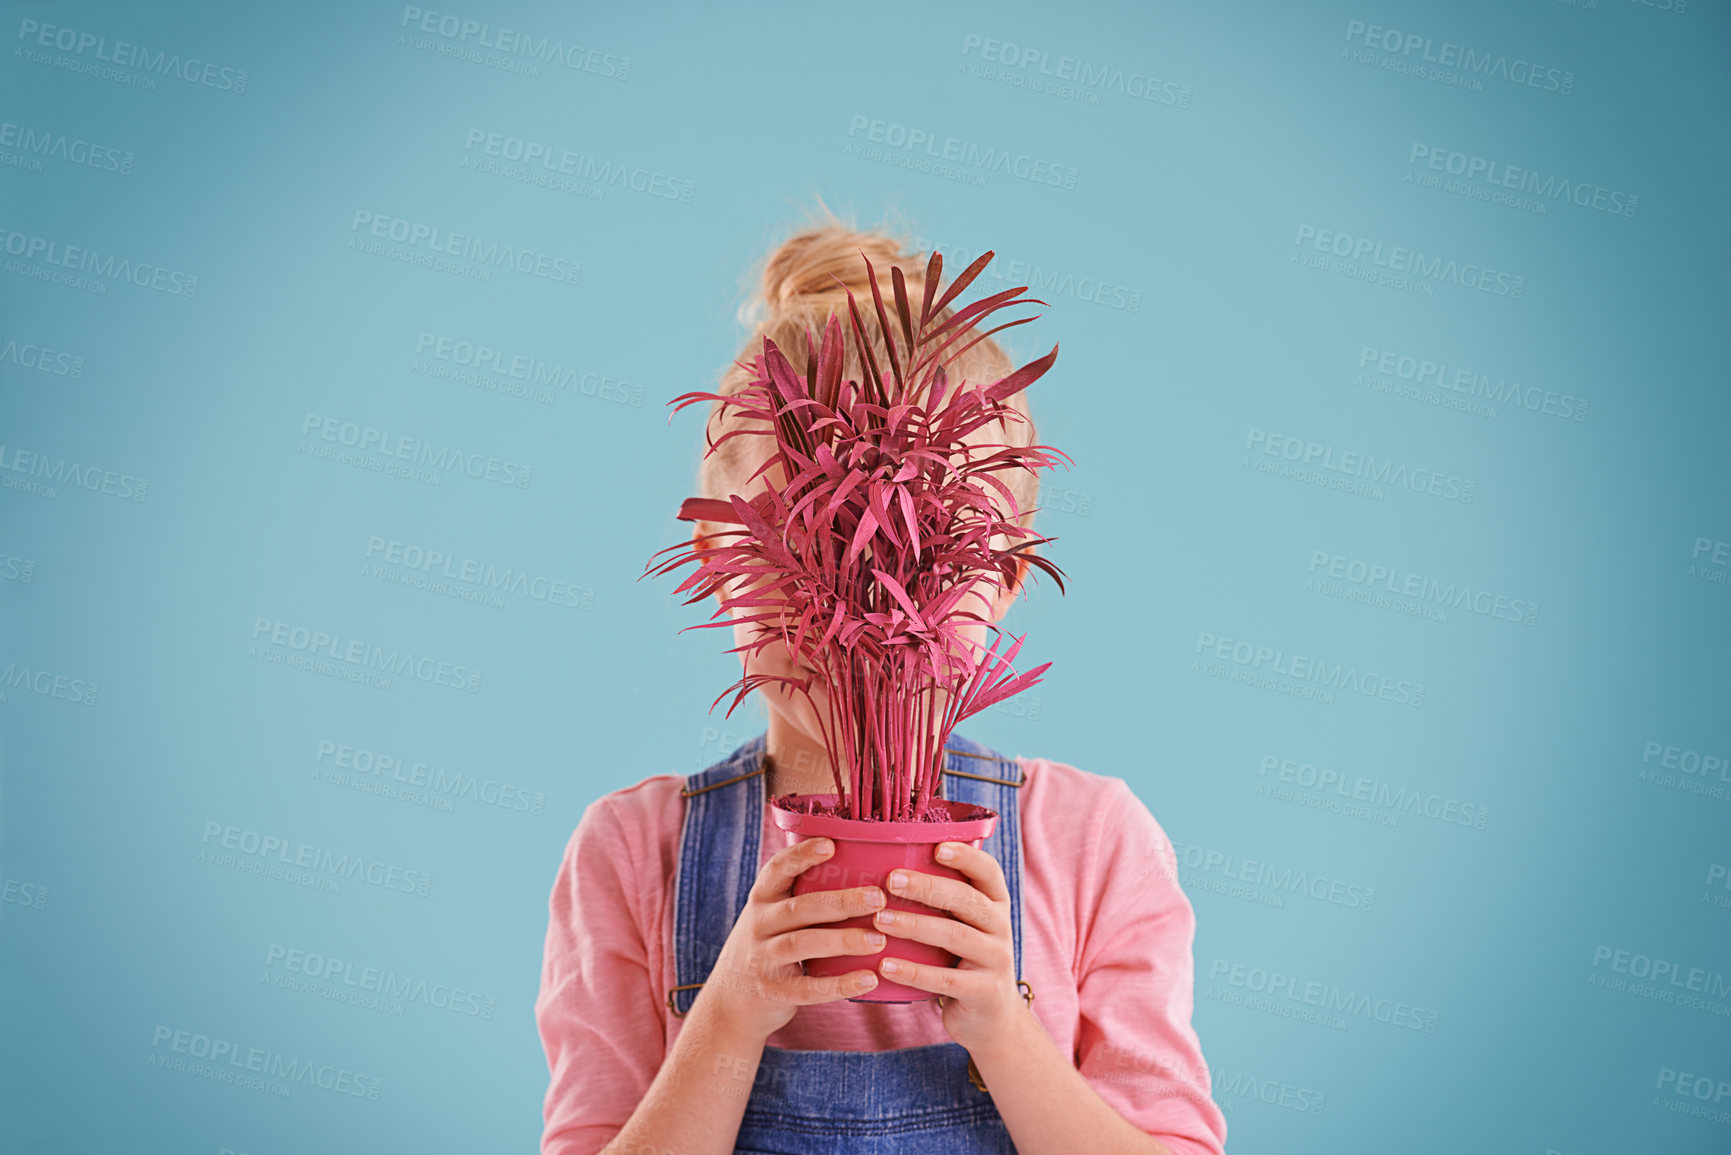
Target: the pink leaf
(909, 466)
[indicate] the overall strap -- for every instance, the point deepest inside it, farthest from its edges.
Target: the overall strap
(721, 839)
(974, 773)
(718, 851)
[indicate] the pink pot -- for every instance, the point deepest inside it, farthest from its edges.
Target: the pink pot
(865, 853)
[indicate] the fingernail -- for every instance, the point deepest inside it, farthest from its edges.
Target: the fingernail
(873, 938)
(891, 966)
(824, 846)
(886, 916)
(875, 898)
(946, 852)
(868, 981)
(898, 880)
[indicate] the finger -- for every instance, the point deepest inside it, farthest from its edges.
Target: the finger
(811, 942)
(775, 880)
(960, 939)
(959, 898)
(816, 906)
(982, 869)
(810, 989)
(946, 981)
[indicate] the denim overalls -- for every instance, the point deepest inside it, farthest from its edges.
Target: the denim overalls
(912, 1101)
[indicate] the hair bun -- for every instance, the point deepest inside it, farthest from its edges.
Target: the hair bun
(800, 275)
(784, 297)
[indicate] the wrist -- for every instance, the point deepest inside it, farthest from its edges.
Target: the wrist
(717, 1016)
(1012, 1033)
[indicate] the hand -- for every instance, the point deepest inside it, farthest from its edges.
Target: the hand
(757, 983)
(980, 998)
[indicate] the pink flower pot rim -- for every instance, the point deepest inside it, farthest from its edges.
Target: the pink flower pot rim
(968, 822)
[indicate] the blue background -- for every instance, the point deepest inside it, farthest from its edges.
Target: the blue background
(168, 714)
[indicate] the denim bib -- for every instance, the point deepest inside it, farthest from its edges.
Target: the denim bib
(913, 1100)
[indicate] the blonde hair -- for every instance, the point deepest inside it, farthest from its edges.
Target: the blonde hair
(797, 292)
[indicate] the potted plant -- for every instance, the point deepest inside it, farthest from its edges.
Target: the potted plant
(882, 532)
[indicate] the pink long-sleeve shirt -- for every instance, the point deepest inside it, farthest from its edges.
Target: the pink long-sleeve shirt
(1106, 946)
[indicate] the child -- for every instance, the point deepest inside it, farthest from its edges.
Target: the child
(673, 1007)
